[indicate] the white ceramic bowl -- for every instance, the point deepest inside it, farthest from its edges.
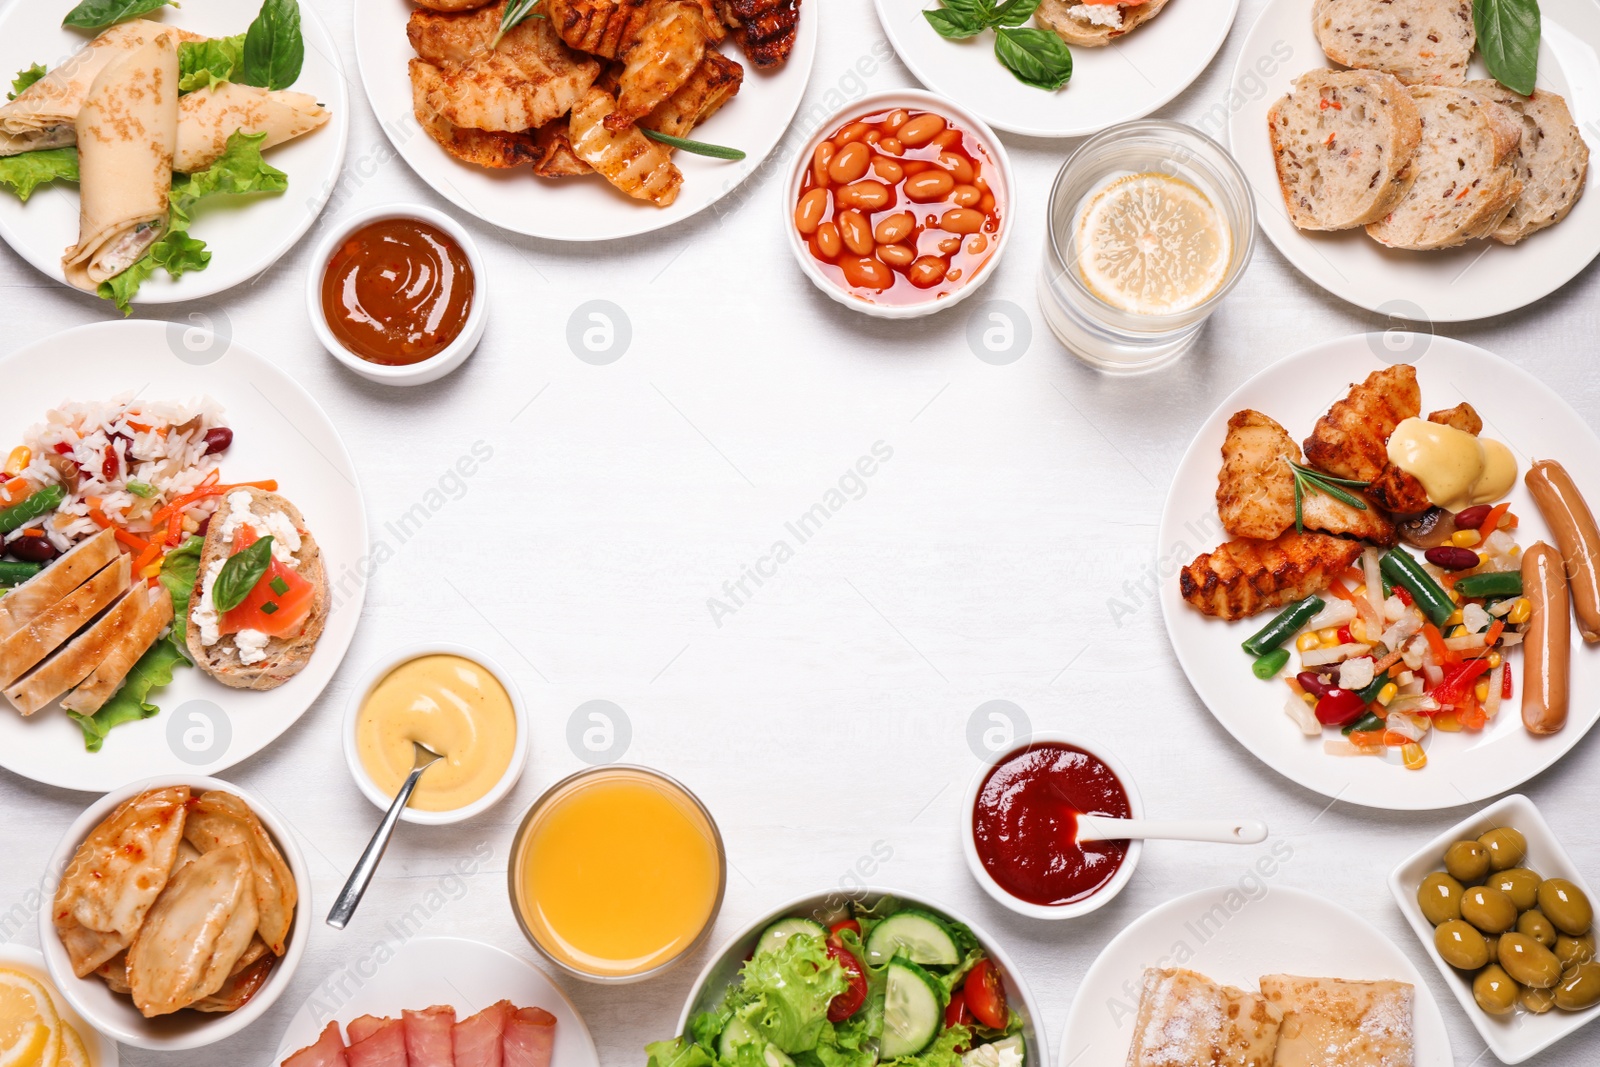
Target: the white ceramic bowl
(113, 1014)
(381, 670)
(429, 370)
(1093, 902)
(723, 970)
(1005, 197)
(1520, 1036)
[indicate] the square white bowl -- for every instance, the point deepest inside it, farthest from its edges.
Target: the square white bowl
(1512, 1038)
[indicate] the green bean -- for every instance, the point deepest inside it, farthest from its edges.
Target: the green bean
(1285, 625)
(1404, 570)
(17, 573)
(40, 502)
(1272, 664)
(1498, 584)
(1366, 724)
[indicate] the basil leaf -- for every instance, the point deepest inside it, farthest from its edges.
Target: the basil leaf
(1508, 37)
(951, 24)
(274, 50)
(98, 14)
(1015, 12)
(26, 78)
(240, 575)
(1037, 57)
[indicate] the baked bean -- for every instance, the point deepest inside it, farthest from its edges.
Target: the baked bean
(914, 167)
(926, 272)
(808, 213)
(820, 160)
(958, 166)
(986, 205)
(892, 146)
(929, 186)
(920, 130)
(850, 163)
(888, 170)
(962, 220)
(867, 273)
(948, 139)
(950, 245)
(828, 241)
(853, 132)
(896, 255)
(896, 119)
(981, 182)
(856, 233)
(873, 136)
(978, 245)
(867, 195)
(895, 228)
(966, 196)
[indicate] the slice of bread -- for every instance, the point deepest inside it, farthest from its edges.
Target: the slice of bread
(1552, 161)
(1466, 183)
(1344, 142)
(1421, 42)
(284, 658)
(1076, 22)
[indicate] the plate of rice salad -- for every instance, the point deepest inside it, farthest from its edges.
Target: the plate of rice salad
(1396, 682)
(140, 434)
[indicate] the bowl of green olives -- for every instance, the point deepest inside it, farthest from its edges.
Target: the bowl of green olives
(1510, 923)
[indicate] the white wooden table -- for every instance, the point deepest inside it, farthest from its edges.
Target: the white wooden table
(1004, 551)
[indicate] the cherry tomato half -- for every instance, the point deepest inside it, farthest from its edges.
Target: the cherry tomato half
(956, 1013)
(840, 927)
(1340, 707)
(986, 995)
(849, 1002)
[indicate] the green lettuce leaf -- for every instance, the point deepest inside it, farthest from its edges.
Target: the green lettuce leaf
(179, 572)
(785, 994)
(842, 1045)
(24, 173)
(942, 1053)
(153, 670)
(679, 1052)
(203, 64)
(20, 83)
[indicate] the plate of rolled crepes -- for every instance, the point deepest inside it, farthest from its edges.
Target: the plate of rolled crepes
(168, 156)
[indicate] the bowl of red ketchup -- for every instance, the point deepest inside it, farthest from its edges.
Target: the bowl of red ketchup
(398, 294)
(1019, 827)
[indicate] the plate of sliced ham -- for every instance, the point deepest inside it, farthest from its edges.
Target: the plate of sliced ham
(441, 1002)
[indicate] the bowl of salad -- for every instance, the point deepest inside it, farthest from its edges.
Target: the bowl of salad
(855, 980)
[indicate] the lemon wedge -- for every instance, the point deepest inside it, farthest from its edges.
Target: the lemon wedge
(74, 1053)
(1153, 244)
(30, 1029)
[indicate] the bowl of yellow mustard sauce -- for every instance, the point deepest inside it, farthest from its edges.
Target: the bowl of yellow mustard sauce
(456, 701)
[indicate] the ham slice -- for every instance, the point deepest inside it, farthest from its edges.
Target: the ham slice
(429, 1040)
(327, 1052)
(529, 1038)
(364, 1027)
(383, 1046)
(477, 1040)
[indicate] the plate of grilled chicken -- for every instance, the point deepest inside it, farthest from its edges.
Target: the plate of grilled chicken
(585, 120)
(1378, 565)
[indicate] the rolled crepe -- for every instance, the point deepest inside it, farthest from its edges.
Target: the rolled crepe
(43, 115)
(127, 135)
(208, 117)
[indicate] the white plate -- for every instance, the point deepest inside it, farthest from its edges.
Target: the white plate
(1523, 1035)
(1455, 285)
(246, 236)
(1122, 81)
(1235, 937)
(586, 208)
(466, 975)
(1462, 768)
(280, 432)
(102, 1050)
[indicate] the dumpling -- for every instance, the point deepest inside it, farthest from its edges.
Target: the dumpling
(217, 820)
(196, 932)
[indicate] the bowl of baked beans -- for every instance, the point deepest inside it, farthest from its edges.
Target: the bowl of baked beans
(899, 205)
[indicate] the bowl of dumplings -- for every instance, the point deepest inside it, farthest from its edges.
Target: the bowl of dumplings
(176, 915)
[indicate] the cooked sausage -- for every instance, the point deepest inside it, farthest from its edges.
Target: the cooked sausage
(1547, 648)
(1573, 524)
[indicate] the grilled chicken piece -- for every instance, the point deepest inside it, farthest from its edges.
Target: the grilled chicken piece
(452, 6)
(714, 24)
(631, 161)
(1244, 577)
(1352, 439)
(714, 83)
(1463, 417)
(766, 28)
(1255, 491)
(485, 148)
(666, 55)
(606, 28)
(530, 78)
(1400, 492)
(555, 157)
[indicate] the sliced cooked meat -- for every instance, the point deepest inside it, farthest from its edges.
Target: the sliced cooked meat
(1352, 439)
(766, 28)
(630, 161)
(1245, 577)
(714, 83)
(666, 55)
(452, 6)
(605, 28)
(486, 148)
(553, 154)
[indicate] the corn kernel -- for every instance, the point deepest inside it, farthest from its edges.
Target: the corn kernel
(1330, 642)
(1453, 620)
(1521, 612)
(1310, 700)
(1482, 692)
(19, 459)
(1483, 559)
(1387, 693)
(1329, 633)
(151, 571)
(1455, 597)
(1465, 538)
(1415, 758)
(1447, 722)
(1307, 641)
(1358, 629)
(1494, 660)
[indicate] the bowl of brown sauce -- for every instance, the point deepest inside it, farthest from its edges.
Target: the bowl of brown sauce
(398, 294)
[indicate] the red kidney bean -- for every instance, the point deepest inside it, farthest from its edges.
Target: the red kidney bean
(1313, 683)
(218, 440)
(1451, 558)
(31, 549)
(1473, 517)
(1340, 707)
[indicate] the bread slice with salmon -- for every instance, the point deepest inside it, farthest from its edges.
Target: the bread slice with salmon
(269, 637)
(1098, 22)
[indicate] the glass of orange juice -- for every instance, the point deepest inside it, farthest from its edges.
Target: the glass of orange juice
(617, 873)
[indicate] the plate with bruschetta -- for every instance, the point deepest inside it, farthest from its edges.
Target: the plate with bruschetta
(575, 121)
(1062, 68)
(1379, 571)
(1395, 165)
(180, 533)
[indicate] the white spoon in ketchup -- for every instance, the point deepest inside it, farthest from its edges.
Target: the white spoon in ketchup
(1101, 828)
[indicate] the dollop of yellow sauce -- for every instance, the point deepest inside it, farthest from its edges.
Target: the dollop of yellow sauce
(454, 706)
(1457, 469)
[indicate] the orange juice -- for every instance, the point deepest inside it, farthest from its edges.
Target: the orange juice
(617, 872)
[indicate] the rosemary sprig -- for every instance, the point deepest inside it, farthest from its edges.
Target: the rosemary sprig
(517, 12)
(1306, 479)
(699, 148)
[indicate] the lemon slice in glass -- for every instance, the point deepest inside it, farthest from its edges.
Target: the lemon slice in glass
(30, 1029)
(1152, 244)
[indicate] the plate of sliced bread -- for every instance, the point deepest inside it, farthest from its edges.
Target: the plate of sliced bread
(184, 548)
(1391, 169)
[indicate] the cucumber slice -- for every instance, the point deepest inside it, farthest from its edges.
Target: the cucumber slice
(913, 1009)
(738, 1032)
(773, 937)
(917, 936)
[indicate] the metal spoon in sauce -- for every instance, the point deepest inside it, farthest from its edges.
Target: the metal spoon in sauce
(356, 887)
(1101, 828)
